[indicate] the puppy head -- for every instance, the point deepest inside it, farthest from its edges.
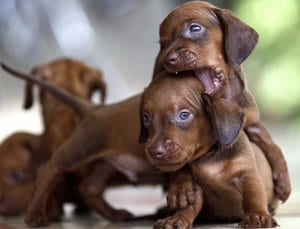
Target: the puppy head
(180, 124)
(17, 175)
(68, 74)
(171, 114)
(199, 36)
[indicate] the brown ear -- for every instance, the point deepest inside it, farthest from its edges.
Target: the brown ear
(227, 119)
(240, 39)
(98, 84)
(143, 131)
(28, 97)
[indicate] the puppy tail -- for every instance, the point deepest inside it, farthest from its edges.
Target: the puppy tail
(79, 105)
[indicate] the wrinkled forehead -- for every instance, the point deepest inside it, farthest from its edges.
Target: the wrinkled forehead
(167, 91)
(196, 11)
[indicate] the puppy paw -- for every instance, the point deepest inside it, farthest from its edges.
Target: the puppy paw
(35, 220)
(257, 221)
(173, 222)
(182, 195)
(282, 185)
(121, 215)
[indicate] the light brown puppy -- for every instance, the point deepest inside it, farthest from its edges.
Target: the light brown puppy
(184, 128)
(60, 120)
(213, 43)
(106, 133)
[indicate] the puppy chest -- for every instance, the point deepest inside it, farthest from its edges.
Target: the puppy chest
(216, 175)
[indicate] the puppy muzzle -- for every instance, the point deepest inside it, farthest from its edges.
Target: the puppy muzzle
(167, 156)
(179, 60)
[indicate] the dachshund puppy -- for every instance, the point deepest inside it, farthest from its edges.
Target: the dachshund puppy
(18, 175)
(213, 43)
(60, 120)
(183, 128)
(105, 134)
(19, 159)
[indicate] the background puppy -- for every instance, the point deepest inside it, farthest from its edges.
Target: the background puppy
(23, 153)
(19, 158)
(213, 43)
(106, 133)
(60, 120)
(183, 128)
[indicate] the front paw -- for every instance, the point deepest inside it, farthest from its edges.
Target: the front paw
(282, 185)
(35, 220)
(121, 215)
(257, 221)
(182, 196)
(173, 222)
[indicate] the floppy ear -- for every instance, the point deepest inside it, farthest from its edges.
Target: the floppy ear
(240, 39)
(143, 131)
(28, 97)
(227, 119)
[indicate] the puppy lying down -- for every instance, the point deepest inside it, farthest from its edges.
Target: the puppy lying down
(184, 129)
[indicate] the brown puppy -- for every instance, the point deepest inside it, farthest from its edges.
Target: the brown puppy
(213, 43)
(19, 159)
(183, 128)
(109, 133)
(60, 120)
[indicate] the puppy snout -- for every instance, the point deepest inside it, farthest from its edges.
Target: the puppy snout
(163, 150)
(172, 59)
(157, 152)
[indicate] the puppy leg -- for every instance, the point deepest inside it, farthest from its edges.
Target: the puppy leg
(181, 190)
(258, 134)
(79, 149)
(47, 179)
(92, 188)
(255, 204)
(183, 218)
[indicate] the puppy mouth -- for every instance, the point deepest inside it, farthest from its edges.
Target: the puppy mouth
(168, 167)
(211, 79)
(166, 164)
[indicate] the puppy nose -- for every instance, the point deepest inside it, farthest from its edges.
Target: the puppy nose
(172, 58)
(157, 152)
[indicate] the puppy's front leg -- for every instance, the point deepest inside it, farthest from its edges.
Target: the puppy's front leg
(258, 134)
(184, 218)
(255, 204)
(47, 179)
(181, 189)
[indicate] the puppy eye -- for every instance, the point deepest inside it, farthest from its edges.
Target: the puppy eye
(184, 116)
(16, 177)
(194, 28)
(194, 31)
(146, 118)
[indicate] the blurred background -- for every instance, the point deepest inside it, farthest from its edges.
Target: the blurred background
(121, 38)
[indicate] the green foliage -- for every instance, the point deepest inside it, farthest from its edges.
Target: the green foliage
(273, 70)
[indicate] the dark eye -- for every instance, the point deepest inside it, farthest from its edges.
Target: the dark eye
(184, 116)
(146, 118)
(194, 28)
(16, 176)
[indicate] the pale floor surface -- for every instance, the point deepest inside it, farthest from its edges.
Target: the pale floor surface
(145, 200)
(285, 222)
